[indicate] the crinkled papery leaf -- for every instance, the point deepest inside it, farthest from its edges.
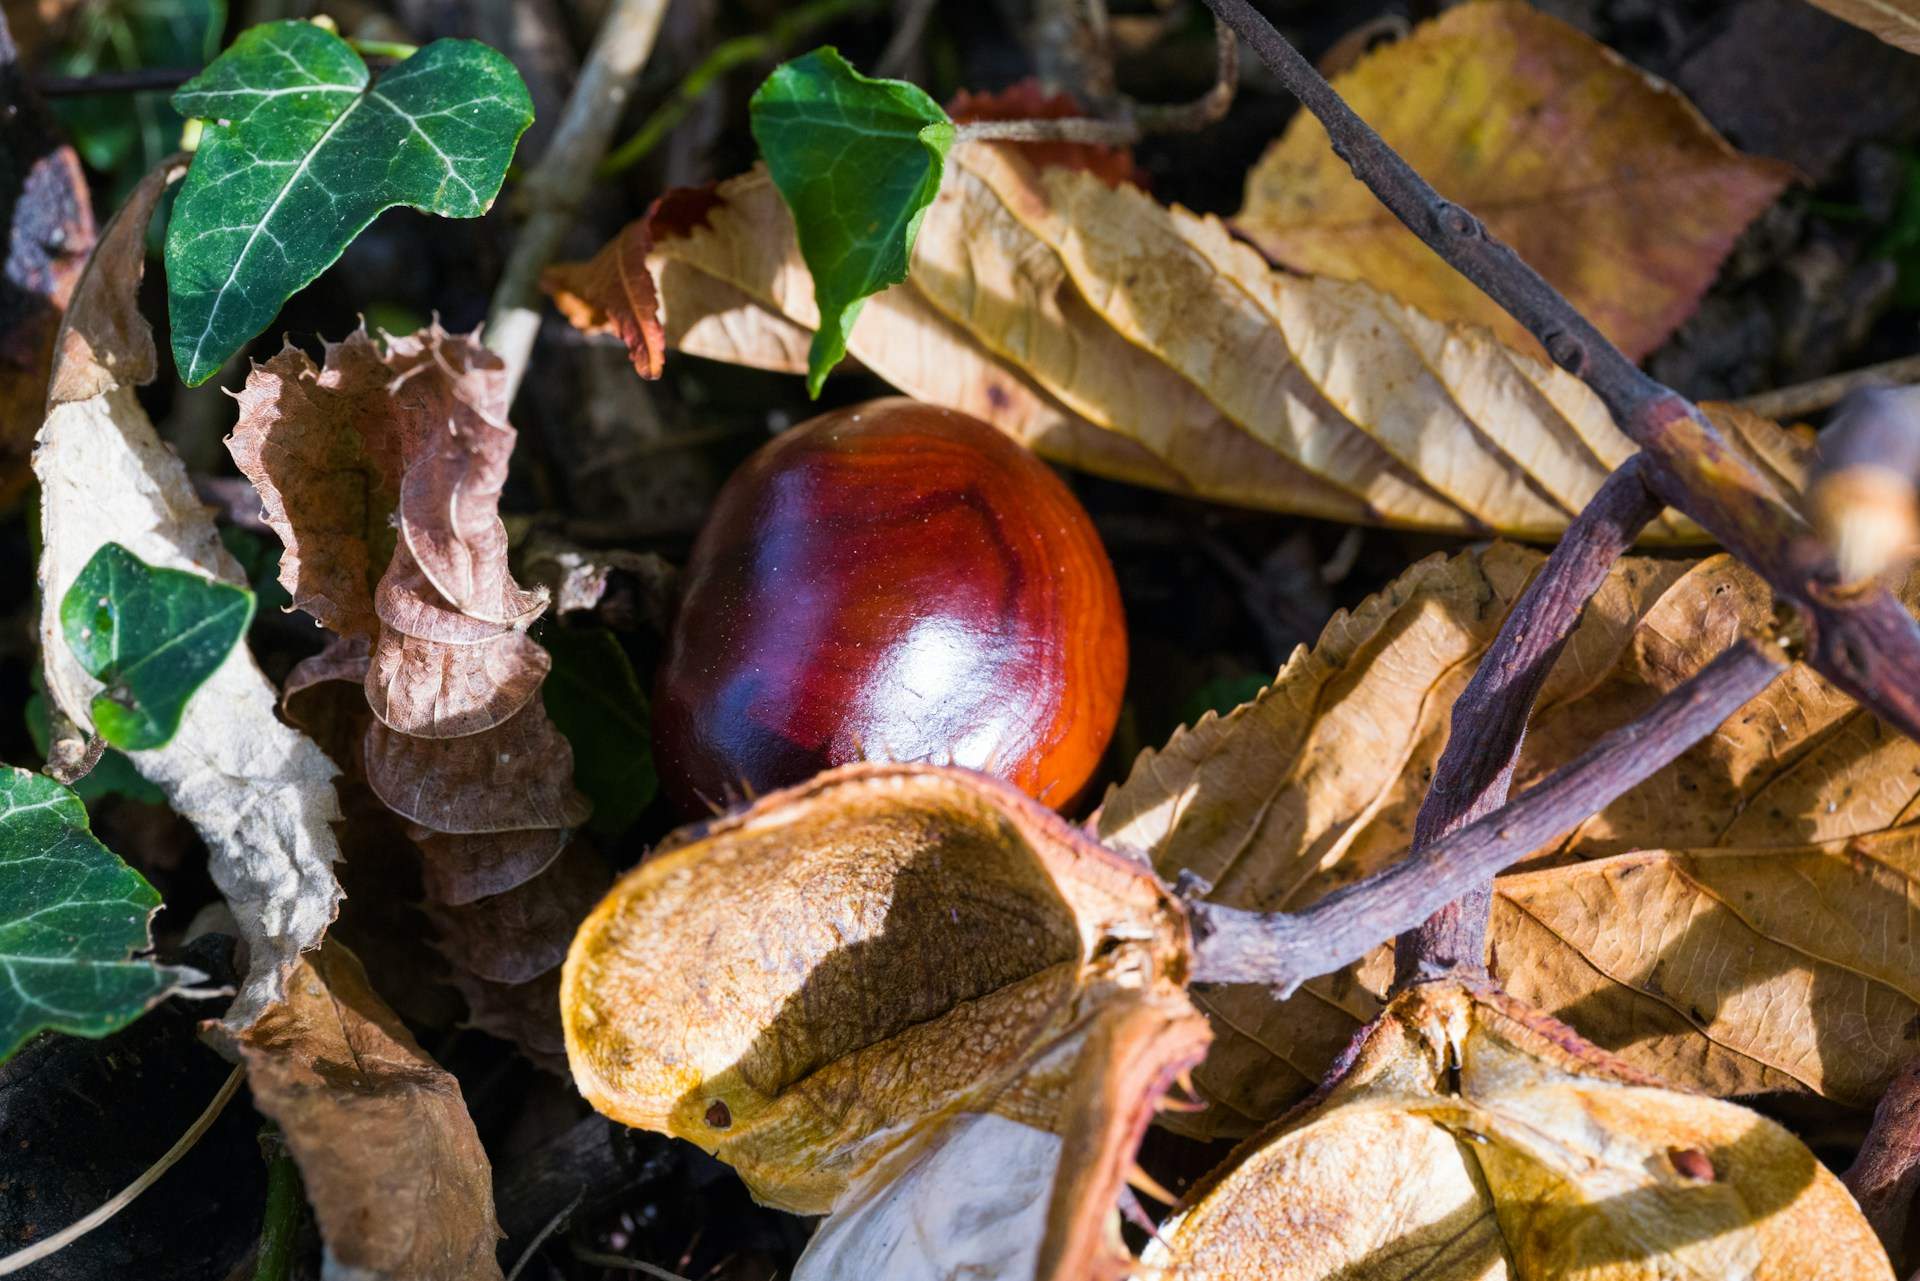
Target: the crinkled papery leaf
(72, 918)
(416, 437)
(259, 792)
(595, 700)
(1605, 180)
(858, 160)
(301, 153)
(1736, 924)
(1145, 343)
(1473, 1139)
(48, 223)
(613, 293)
(860, 990)
(1895, 21)
(388, 1155)
(153, 636)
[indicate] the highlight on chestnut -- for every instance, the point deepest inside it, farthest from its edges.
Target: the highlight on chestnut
(891, 581)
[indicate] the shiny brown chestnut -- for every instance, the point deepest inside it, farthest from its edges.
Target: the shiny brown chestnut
(892, 581)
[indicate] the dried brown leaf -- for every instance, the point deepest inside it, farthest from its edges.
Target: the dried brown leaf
(1675, 926)
(460, 746)
(390, 1160)
(864, 991)
(49, 233)
(1604, 179)
(613, 293)
(1471, 1138)
(1143, 342)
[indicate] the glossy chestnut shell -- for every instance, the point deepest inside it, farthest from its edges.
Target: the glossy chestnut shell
(891, 581)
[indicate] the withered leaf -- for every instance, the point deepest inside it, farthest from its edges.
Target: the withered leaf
(613, 293)
(259, 792)
(1675, 927)
(48, 220)
(864, 992)
(415, 436)
(1143, 342)
(1473, 1139)
(392, 1165)
(1604, 179)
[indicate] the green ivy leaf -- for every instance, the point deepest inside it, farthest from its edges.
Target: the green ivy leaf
(858, 161)
(153, 636)
(595, 700)
(72, 916)
(305, 153)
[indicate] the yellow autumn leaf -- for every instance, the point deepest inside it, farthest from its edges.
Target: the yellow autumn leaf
(1607, 181)
(1675, 927)
(857, 991)
(1472, 1139)
(1145, 343)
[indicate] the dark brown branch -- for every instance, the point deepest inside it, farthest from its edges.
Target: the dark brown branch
(1233, 945)
(1863, 641)
(1886, 1174)
(1862, 499)
(1490, 716)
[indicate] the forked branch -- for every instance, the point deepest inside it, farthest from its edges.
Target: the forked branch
(1283, 950)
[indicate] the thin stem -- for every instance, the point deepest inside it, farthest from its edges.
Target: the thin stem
(280, 1221)
(398, 50)
(1490, 716)
(556, 186)
(1079, 129)
(1281, 950)
(121, 1200)
(1209, 107)
(1863, 641)
(726, 56)
(145, 80)
(1802, 399)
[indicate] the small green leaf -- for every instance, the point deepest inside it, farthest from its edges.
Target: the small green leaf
(595, 700)
(72, 916)
(304, 153)
(858, 161)
(153, 636)
(112, 775)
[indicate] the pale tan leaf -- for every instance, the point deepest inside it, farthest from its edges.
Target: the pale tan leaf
(259, 792)
(858, 987)
(388, 1155)
(1142, 342)
(1473, 1139)
(1604, 179)
(1645, 925)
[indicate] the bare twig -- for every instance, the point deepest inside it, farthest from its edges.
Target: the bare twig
(1490, 716)
(1091, 130)
(1862, 499)
(122, 1199)
(1863, 641)
(1190, 117)
(1886, 1173)
(144, 80)
(729, 54)
(908, 31)
(1821, 393)
(1284, 950)
(555, 187)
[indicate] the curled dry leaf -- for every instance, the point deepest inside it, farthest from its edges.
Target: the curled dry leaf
(391, 1162)
(49, 231)
(259, 792)
(1472, 1138)
(381, 470)
(1675, 927)
(1571, 155)
(895, 995)
(1143, 342)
